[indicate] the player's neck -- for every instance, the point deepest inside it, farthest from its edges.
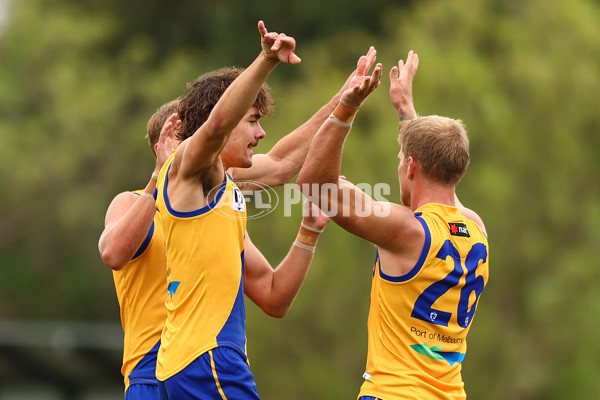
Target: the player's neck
(426, 193)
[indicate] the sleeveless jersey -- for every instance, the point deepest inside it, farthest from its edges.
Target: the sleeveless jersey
(418, 322)
(140, 287)
(205, 269)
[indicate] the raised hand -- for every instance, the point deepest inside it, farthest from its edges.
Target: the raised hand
(363, 65)
(401, 79)
(363, 85)
(166, 141)
(313, 216)
(278, 46)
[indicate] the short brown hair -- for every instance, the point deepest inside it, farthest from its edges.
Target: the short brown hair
(439, 144)
(204, 93)
(157, 120)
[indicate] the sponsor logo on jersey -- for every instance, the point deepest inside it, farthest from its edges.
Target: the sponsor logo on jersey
(458, 229)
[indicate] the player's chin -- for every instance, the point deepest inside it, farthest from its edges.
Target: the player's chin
(246, 162)
(248, 158)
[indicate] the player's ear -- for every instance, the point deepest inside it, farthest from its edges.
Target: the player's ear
(412, 168)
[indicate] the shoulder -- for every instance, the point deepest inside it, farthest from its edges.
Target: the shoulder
(119, 206)
(124, 198)
(473, 216)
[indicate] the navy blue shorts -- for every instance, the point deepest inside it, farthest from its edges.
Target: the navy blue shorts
(221, 373)
(142, 391)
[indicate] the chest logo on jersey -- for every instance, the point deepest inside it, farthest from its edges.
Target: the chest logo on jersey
(238, 203)
(458, 229)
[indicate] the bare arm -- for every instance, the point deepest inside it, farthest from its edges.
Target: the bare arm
(401, 79)
(128, 220)
(274, 290)
(129, 215)
(285, 159)
(202, 150)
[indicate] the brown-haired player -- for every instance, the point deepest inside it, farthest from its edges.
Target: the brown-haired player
(212, 262)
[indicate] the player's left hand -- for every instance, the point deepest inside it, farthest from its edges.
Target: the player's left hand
(166, 141)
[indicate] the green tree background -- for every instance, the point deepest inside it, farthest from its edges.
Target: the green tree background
(79, 79)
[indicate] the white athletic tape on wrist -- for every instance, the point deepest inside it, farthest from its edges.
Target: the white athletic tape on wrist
(348, 105)
(308, 228)
(305, 247)
(340, 123)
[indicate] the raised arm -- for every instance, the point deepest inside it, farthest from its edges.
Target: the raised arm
(203, 148)
(130, 215)
(352, 209)
(274, 290)
(401, 79)
(285, 159)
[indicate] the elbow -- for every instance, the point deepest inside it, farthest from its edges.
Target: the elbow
(112, 260)
(278, 311)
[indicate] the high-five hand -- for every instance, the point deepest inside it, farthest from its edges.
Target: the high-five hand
(401, 79)
(166, 142)
(361, 85)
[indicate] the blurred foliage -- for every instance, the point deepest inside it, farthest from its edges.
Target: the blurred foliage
(79, 79)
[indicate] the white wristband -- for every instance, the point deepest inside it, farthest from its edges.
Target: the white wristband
(154, 175)
(348, 105)
(147, 195)
(340, 123)
(308, 228)
(305, 247)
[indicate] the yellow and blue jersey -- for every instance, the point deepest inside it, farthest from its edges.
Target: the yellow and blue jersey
(418, 322)
(205, 269)
(140, 287)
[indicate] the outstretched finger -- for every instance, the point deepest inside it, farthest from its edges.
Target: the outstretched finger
(393, 75)
(370, 58)
(377, 73)
(412, 63)
(262, 29)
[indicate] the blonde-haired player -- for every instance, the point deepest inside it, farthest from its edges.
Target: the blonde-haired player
(432, 255)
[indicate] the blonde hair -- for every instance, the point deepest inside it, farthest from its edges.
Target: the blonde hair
(157, 120)
(439, 144)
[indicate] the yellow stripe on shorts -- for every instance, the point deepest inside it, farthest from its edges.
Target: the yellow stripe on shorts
(214, 371)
